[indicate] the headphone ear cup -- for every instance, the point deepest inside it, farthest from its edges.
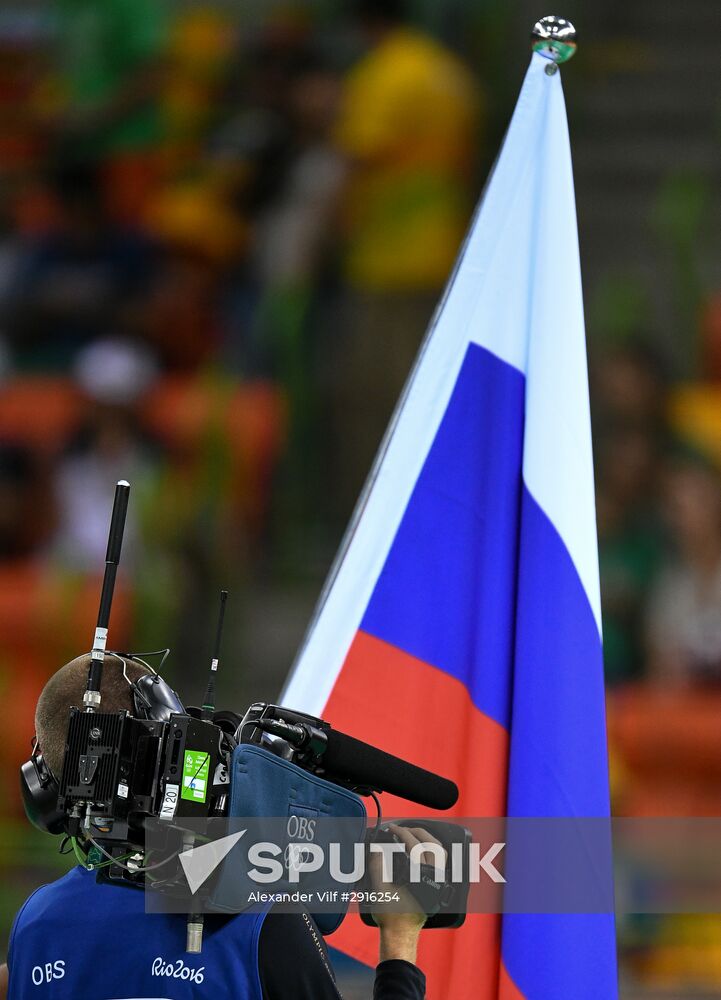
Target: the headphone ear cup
(227, 720)
(154, 699)
(40, 795)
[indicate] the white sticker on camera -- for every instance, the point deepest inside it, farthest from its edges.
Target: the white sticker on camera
(170, 801)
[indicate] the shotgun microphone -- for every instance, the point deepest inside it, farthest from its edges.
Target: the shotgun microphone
(371, 767)
(353, 762)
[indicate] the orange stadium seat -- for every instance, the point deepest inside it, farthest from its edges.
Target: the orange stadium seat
(41, 412)
(184, 412)
(667, 747)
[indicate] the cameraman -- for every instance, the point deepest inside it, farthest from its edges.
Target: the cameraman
(75, 938)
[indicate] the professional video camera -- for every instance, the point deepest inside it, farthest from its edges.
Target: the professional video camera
(171, 766)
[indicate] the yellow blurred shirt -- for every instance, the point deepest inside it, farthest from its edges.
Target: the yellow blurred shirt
(694, 414)
(409, 123)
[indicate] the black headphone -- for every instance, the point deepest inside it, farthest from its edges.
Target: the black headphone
(40, 793)
(153, 698)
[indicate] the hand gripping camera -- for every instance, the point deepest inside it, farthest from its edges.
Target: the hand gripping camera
(168, 764)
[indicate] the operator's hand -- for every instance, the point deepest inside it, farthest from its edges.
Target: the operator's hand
(399, 931)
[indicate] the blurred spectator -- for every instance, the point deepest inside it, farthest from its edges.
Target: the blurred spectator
(249, 147)
(74, 280)
(629, 386)
(290, 260)
(201, 41)
(291, 231)
(631, 543)
(24, 528)
(182, 315)
(253, 157)
(25, 32)
(629, 400)
(695, 406)
(114, 374)
(110, 70)
(684, 613)
(408, 126)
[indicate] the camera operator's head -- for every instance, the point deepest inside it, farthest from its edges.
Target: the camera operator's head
(65, 689)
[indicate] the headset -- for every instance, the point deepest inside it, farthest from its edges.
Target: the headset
(153, 699)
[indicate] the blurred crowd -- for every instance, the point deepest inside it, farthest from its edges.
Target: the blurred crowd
(659, 522)
(658, 498)
(222, 240)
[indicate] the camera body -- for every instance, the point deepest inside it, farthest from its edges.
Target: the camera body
(119, 770)
(122, 771)
(165, 764)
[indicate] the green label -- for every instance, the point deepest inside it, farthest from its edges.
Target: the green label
(195, 775)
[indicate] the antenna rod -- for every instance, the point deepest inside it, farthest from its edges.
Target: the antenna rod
(209, 699)
(91, 698)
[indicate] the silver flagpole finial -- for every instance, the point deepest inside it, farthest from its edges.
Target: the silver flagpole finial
(554, 38)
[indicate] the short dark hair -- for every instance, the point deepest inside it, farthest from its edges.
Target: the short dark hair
(65, 689)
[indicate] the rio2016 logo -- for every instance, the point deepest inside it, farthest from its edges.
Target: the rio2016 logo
(177, 970)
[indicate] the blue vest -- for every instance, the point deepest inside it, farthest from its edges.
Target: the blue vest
(77, 940)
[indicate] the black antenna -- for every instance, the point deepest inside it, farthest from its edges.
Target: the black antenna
(91, 698)
(209, 699)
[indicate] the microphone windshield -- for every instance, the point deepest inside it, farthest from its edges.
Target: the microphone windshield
(366, 765)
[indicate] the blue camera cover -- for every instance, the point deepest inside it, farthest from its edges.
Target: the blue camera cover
(265, 785)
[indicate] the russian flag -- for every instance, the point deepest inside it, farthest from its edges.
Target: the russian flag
(461, 625)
